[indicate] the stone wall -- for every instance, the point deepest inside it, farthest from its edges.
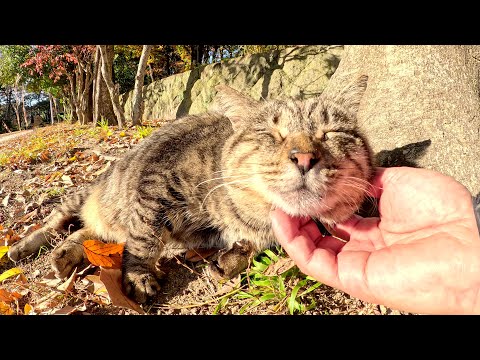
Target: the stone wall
(297, 71)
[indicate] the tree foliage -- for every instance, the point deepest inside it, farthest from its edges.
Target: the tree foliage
(66, 72)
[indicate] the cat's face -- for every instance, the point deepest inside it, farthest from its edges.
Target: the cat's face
(305, 157)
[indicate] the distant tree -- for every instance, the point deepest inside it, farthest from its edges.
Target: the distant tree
(137, 108)
(11, 75)
(67, 64)
(106, 68)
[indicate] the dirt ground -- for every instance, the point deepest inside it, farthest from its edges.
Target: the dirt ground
(75, 155)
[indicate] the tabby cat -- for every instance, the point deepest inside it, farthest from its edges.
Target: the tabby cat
(210, 181)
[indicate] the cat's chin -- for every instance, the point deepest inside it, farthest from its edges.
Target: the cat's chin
(301, 202)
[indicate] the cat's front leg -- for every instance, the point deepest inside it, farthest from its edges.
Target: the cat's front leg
(139, 273)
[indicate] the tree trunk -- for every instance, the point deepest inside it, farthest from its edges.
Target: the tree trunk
(137, 106)
(421, 106)
(51, 107)
(17, 114)
(151, 72)
(106, 69)
(25, 117)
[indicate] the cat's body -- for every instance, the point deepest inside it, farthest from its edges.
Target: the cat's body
(210, 181)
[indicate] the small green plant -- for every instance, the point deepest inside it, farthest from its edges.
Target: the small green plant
(4, 158)
(105, 131)
(142, 131)
(287, 289)
(55, 191)
(103, 123)
(67, 118)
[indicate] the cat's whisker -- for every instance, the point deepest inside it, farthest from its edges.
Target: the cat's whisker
(221, 178)
(363, 185)
(219, 186)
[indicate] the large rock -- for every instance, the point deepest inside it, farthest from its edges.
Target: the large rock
(297, 71)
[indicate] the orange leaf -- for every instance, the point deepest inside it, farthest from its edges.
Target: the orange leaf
(6, 309)
(6, 296)
(105, 255)
(27, 309)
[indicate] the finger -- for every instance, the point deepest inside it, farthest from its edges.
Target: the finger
(378, 182)
(287, 225)
(319, 263)
(344, 230)
(331, 243)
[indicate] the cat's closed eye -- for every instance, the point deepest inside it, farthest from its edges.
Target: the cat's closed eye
(326, 135)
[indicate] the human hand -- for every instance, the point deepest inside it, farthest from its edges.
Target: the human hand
(421, 255)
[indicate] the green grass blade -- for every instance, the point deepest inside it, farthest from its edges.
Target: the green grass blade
(292, 301)
(220, 305)
(310, 289)
(271, 255)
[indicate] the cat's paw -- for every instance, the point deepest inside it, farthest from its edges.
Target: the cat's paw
(21, 249)
(65, 258)
(232, 262)
(140, 286)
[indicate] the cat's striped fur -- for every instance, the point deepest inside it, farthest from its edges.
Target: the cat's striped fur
(210, 181)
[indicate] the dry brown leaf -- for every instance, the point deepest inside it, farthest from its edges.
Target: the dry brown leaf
(196, 255)
(105, 168)
(28, 229)
(6, 296)
(68, 284)
(105, 255)
(47, 302)
(5, 309)
(229, 285)
(28, 217)
(67, 310)
(112, 278)
(282, 265)
(98, 286)
(67, 180)
(44, 155)
(50, 280)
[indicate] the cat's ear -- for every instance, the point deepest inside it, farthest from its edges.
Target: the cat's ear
(234, 105)
(351, 94)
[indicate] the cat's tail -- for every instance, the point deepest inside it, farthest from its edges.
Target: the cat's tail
(63, 219)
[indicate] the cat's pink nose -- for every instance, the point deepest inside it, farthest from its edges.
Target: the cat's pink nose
(304, 161)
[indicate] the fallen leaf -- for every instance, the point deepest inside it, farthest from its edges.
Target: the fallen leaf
(67, 180)
(11, 237)
(44, 155)
(28, 217)
(5, 200)
(98, 288)
(50, 280)
(279, 267)
(67, 310)
(112, 278)
(3, 250)
(105, 255)
(6, 296)
(27, 309)
(9, 273)
(68, 284)
(47, 302)
(229, 285)
(5, 309)
(105, 168)
(196, 255)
